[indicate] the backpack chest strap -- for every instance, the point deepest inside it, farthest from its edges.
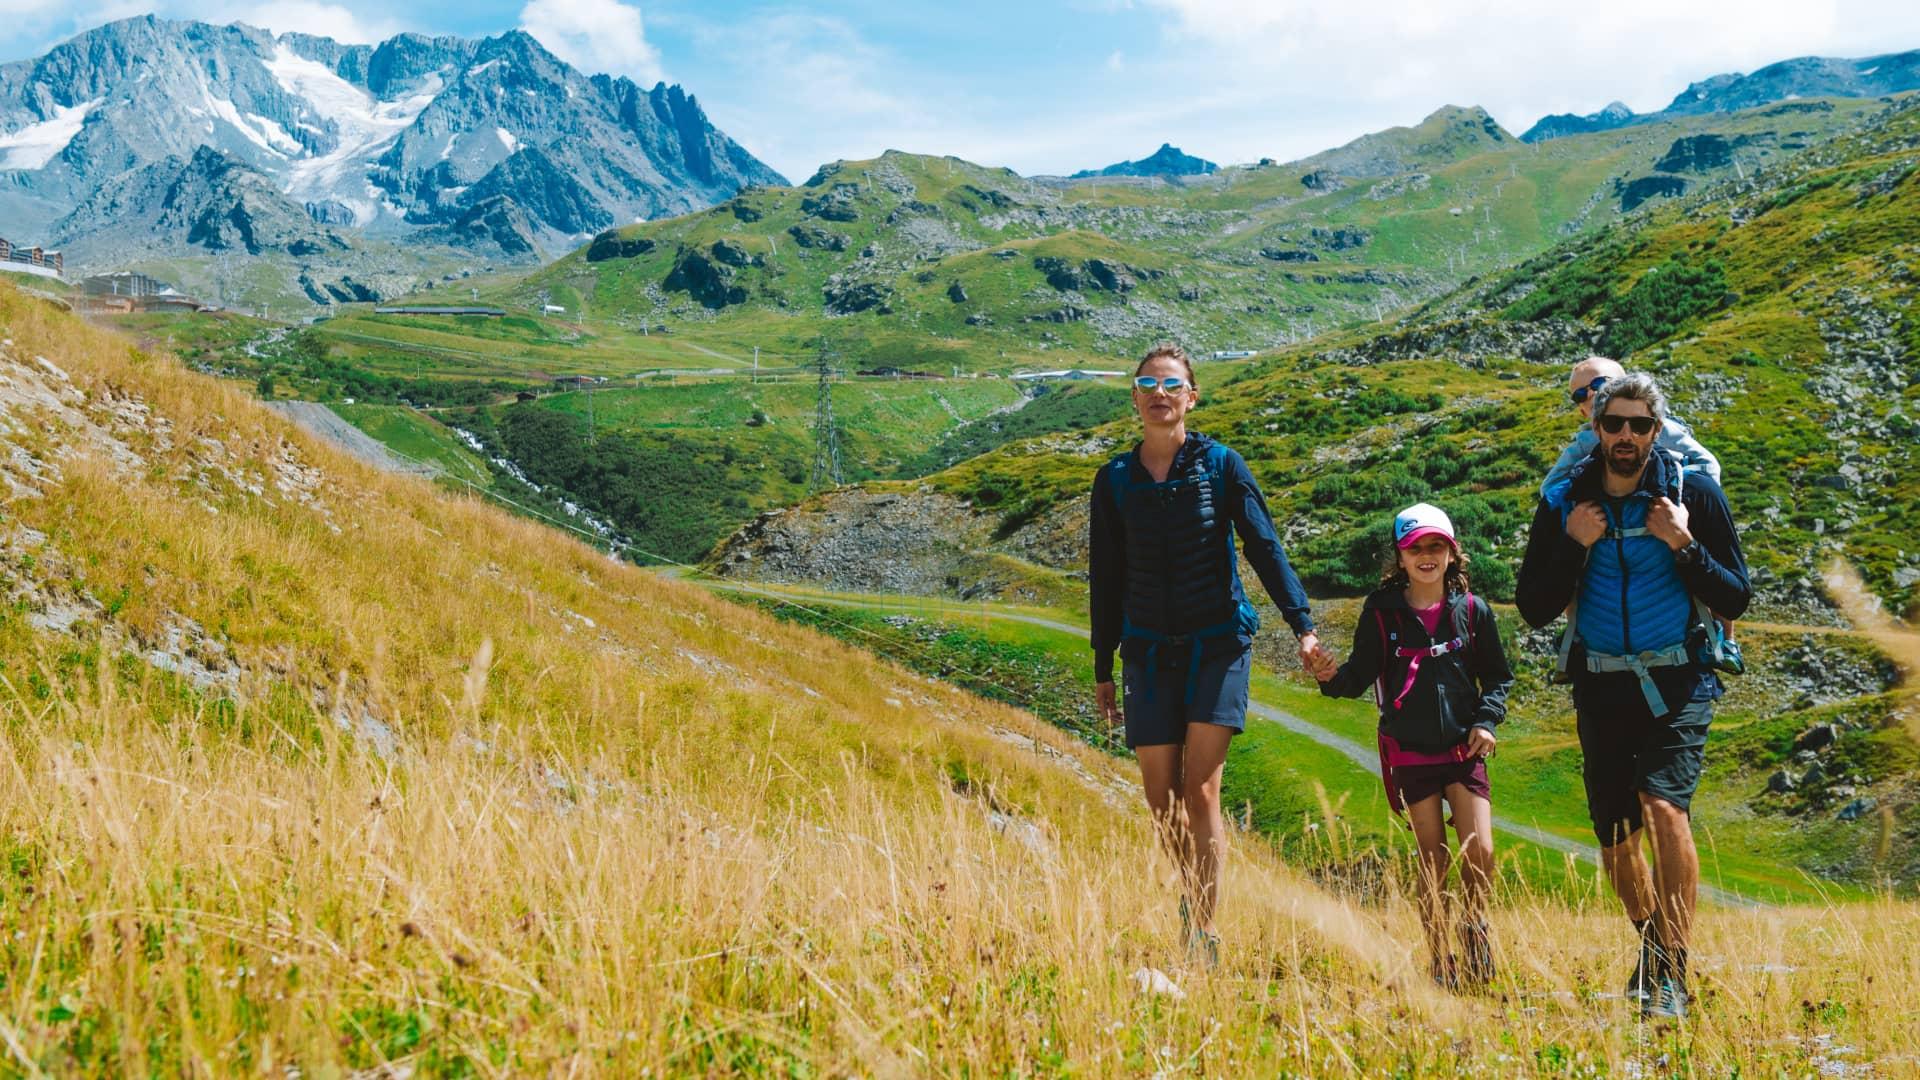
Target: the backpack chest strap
(1413, 658)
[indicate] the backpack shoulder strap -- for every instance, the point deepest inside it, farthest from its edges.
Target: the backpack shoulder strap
(1121, 477)
(1216, 460)
(1465, 616)
(1380, 681)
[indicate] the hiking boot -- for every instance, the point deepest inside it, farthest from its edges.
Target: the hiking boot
(1642, 985)
(1445, 975)
(1476, 952)
(1668, 1002)
(1203, 946)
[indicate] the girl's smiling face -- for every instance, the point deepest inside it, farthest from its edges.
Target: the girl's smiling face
(1427, 560)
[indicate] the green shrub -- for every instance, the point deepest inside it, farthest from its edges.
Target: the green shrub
(1572, 292)
(1664, 298)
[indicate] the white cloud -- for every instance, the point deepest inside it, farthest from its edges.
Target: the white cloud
(1116, 61)
(809, 89)
(595, 36)
(1392, 61)
(314, 17)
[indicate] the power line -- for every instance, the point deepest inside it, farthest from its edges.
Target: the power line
(826, 440)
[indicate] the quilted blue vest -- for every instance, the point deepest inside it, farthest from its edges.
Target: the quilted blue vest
(1631, 597)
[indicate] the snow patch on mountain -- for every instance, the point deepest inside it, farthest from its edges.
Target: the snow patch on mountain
(507, 139)
(257, 129)
(36, 144)
(366, 125)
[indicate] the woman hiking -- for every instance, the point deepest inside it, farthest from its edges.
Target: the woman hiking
(1431, 651)
(1165, 592)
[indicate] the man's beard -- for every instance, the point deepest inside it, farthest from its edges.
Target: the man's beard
(1627, 466)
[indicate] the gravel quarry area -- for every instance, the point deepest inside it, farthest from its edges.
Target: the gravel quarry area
(327, 424)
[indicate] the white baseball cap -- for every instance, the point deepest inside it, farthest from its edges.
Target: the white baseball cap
(1421, 519)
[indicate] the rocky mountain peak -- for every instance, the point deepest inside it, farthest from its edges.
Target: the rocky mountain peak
(1166, 161)
(1447, 134)
(1787, 80)
(413, 133)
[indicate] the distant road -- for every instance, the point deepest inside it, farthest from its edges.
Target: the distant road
(327, 424)
(714, 353)
(1366, 757)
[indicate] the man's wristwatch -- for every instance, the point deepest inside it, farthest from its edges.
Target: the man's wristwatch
(1688, 555)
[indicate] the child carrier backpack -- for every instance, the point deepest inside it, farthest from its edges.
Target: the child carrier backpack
(1715, 650)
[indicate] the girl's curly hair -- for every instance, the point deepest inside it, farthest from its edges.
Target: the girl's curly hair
(1394, 576)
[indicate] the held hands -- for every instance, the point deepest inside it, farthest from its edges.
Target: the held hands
(1316, 659)
(1480, 743)
(1667, 520)
(1588, 523)
(1105, 704)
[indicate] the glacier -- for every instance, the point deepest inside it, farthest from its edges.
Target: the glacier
(36, 144)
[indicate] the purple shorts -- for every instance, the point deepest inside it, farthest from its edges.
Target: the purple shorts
(1420, 782)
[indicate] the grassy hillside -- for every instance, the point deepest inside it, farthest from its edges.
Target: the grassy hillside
(420, 438)
(675, 467)
(939, 262)
(934, 264)
(1058, 408)
(322, 771)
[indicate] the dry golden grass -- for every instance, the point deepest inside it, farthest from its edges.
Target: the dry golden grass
(626, 828)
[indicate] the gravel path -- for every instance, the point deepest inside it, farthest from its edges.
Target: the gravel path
(327, 424)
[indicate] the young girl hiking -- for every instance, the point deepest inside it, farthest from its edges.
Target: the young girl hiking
(1165, 593)
(1431, 651)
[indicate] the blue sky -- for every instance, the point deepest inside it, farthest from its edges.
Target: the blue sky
(1059, 85)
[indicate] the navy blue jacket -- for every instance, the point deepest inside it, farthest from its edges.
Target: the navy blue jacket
(1244, 505)
(1451, 694)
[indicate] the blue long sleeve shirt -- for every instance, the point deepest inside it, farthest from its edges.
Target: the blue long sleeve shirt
(1252, 523)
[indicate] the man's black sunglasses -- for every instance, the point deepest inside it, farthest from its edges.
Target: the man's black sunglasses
(1580, 394)
(1641, 425)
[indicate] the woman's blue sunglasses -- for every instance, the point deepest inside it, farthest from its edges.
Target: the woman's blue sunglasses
(1147, 384)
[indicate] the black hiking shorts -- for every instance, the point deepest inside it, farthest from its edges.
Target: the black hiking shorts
(1626, 750)
(1219, 697)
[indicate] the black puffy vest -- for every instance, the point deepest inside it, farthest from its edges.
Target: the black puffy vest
(1180, 566)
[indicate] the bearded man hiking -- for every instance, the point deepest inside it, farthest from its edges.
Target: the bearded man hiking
(1639, 551)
